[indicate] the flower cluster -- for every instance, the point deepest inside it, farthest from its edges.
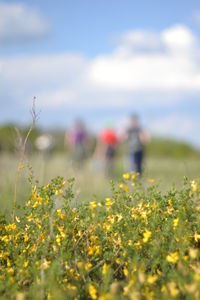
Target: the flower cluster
(137, 244)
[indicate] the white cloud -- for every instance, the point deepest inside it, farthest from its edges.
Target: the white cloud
(175, 67)
(145, 71)
(122, 78)
(19, 23)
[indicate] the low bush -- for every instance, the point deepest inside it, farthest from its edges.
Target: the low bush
(137, 244)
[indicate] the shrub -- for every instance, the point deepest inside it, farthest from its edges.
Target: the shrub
(137, 244)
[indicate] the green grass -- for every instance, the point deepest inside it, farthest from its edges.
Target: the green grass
(89, 184)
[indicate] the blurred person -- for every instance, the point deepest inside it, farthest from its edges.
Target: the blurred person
(135, 138)
(77, 139)
(106, 148)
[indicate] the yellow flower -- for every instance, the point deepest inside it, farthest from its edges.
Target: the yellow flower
(92, 291)
(45, 264)
(20, 167)
(175, 223)
(130, 242)
(172, 257)
(58, 239)
(104, 269)
(20, 296)
(60, 214)
(146, 236)
(151, 279)
(104, 297)
(193, 253)
(90, 250)
(125, 272)
(173, 289)
(17, 219)
(93, 204)
(196, 237)
(109, 202)
(26, 263)
(134, 175)
(80, 264)
(10, 227)
(151, 180)
(88, 266)
(126, 176)
(58, 192)
(170, 202)
(193, 185)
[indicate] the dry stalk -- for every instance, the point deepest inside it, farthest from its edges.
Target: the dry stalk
(22, 155)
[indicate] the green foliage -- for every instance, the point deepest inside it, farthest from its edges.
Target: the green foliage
(171, 148)
(137, 244)
(7, 138)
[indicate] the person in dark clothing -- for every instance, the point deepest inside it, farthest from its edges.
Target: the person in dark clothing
(135, 140)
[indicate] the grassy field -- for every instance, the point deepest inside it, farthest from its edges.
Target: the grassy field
(90, 182)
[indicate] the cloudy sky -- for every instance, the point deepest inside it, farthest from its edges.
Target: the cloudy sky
(102, 60)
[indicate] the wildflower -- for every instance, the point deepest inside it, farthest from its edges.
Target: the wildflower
(17, 219)
(125, 271)
(134, 175)
(173, 289)
(88, 266)
(196, 237)
(45, 264)
(92, 291)
(29, 218)
(151, 279)
(20, 167)
(124, 187)
(90, 250)
(80, 264)
(20, 296)
(151, 180)
(154, 206)
(104, 269)
(111, 219)
(137, 245)
(5, 239)
(130, 242)
(172, 257)
(175, 223)
(58, 239)
(109, 202)
(126, 176)
(60, 214)
(10, 227)
(170, 202)
(193, 185)
(119, 216)
(104, 297)
(146, 235)
(26, 263)
(93, 204)
(193, 253)
(58, 192)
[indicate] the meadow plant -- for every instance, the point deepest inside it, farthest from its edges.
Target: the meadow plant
(137, 244)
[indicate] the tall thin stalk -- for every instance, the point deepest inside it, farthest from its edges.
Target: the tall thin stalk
(22, 155)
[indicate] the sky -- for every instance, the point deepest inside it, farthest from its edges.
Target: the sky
(102, 61)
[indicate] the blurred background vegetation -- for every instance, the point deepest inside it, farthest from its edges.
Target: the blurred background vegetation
(167, 161)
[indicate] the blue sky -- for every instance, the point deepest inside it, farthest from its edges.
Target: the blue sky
(102, 60)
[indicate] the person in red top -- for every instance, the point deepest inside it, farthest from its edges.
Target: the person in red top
(108, 142)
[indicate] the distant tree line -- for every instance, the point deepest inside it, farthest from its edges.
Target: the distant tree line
(11, 137)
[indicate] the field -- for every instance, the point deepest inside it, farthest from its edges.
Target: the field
(89, 238)
(90, 181)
